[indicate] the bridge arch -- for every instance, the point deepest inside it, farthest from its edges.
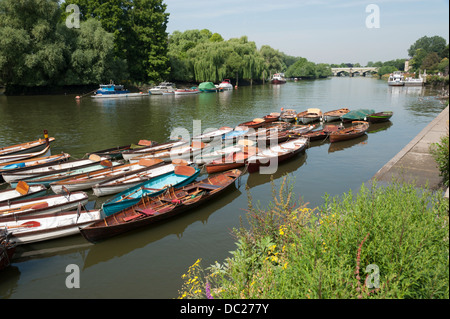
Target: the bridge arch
(351, 71)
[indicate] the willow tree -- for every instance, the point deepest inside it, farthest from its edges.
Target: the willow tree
(33, 51)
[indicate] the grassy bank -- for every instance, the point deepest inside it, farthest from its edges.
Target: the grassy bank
(381, 242)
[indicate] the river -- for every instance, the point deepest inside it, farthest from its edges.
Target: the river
(148, 263)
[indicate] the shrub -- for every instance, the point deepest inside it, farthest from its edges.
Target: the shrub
(383, 242)
(440, 153)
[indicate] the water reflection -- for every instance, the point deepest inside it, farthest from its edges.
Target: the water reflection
(340, 146)
(284, 168)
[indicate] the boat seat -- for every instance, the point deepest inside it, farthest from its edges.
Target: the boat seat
(127, 219)
(146, 211)
(208, 186)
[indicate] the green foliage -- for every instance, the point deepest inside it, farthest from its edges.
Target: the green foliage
(32, 48)
(290, 251)
(139, 30)
(440, 153)
(427, 52)
(386, 69)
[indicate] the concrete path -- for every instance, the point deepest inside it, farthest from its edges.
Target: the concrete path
(414, 162)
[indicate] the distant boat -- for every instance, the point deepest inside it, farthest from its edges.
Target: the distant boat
(278, 78)
(162, 88)
(114, 91)
(208, 87)
(396, 79)
(380, 117)
(334, 115)
(309, 116)
(357, 129)
(356, 115)
(288, 115)
(226, 85)
(409, 81)
(192, 90)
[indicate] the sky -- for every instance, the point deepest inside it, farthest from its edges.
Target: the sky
(322, 31)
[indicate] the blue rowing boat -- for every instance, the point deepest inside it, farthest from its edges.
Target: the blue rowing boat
(181, 176)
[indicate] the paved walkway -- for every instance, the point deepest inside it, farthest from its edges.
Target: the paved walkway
(414, 162)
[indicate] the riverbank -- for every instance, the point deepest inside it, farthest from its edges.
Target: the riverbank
(414, 163)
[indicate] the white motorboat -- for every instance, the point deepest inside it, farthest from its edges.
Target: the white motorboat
(396, 79)
(163, 88)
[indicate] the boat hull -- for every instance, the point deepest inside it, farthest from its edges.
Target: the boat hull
(133, 195)
(51, 226)
(118, 225)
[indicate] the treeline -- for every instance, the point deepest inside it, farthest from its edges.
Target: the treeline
(125, 40)
(116, 40)
(200, 55)
(427, 53)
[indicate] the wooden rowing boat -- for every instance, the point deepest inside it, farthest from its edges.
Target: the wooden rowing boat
(168, 204)
(127, 155)
(47, 179)
(270, 157)
(309, 116)
(119, 184)
(41, 205)
(272, 117)
(379, 117)
(115, 153)
(186, 152)
(26, 148)
(334, 115)
(256, 123)
(7, 159)
(212, 135)
(230, 161)
(87, 180)
(22, 191)
(358, 128)
(51, 168)
(288, 115)
(321, 134)
(181, 176)
(26, 230)
(34, 162)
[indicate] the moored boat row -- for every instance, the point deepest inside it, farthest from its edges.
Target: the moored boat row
(155, 181)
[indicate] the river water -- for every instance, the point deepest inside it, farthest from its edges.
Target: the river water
(148, 263)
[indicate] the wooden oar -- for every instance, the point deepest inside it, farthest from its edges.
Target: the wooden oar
(26, 224)
(25, 207)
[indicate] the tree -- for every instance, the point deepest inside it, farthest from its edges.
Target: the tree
(430, 62)
(139, 29)
(428, 44)
(33, 51)
(93, 60)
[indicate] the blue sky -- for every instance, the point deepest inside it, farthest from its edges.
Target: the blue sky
(323, 31)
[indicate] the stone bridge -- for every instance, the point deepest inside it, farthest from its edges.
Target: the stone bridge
(361, 70)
